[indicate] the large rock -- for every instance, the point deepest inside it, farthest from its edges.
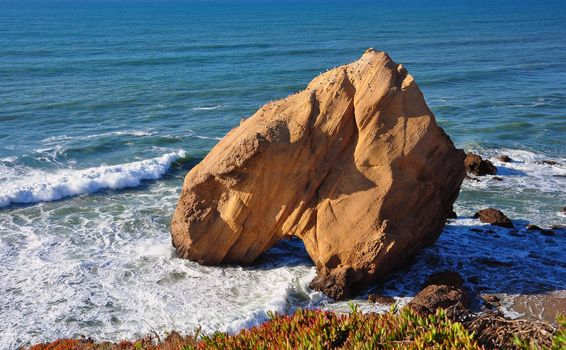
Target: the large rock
(355, 165)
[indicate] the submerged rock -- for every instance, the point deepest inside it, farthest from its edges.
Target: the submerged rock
(545, 232)
(355, 165)
(548, 162)
(504, 158)
(494, 216)
(478, 166)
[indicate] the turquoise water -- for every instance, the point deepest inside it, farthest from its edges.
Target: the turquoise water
(104, 107)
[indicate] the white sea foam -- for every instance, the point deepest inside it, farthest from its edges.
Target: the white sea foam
(207, 137)
(527, 171)
(137, 133)
(41, 186)
(206, 108)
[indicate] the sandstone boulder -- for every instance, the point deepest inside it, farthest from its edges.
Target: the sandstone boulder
(355, 165)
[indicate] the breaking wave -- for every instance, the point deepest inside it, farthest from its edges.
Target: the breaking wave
(41, 186)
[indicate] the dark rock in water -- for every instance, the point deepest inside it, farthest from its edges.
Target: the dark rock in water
(434, 296)
(478, 166)
(452, 214)
(504, 158)
(532, 227)
(335, 286)
(474, 279)
(548, 162)
(545, 232)
(497, 178)
(468, 177)
(473, 229)
(494, 216)
(447, 278)
(558, 227)
(493, 262)
(381, 299)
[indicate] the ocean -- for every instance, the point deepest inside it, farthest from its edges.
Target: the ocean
(106, 105)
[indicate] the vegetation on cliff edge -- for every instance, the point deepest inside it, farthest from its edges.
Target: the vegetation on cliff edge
(316, 329)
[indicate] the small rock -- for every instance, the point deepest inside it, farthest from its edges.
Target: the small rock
(548, 162)
(558, 227)
(504, 158)
(473, 229)
(494, 216)
(490, 298)
(532, 227)
(381, 299)
(452, 215)
(446, 278)
(491, 301)
(497, 178)
(434, 296)
(545, 232)
(468, 177)
(478, 166)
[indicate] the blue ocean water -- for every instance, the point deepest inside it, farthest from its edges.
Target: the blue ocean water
(105, 105)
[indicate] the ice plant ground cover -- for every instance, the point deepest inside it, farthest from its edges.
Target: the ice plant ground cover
(317, 329)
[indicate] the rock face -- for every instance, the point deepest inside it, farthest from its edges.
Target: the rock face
(478, 166)
(355, 165)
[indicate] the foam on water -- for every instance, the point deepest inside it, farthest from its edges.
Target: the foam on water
(526, 171)
(113, 274)
(103, 266)
(40, 186)
(206, 108)
(137, 133)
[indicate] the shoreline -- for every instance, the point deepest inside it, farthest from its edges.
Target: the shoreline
(315, 327)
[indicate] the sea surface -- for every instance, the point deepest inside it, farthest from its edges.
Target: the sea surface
(105, 106)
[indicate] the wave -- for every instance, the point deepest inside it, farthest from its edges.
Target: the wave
(206, 108)
(137, 133)
(41, 186)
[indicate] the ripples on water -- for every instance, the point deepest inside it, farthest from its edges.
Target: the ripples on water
(144, 92)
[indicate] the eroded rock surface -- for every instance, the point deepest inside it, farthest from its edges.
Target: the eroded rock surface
(355, 165)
